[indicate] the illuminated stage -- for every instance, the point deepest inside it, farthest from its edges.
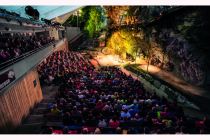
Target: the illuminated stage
(109, 60)
(112, 60)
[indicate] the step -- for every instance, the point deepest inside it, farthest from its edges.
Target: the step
(39, 111)
(31, 128)
(50, 94)
(43, 105)
(35, 119)
(54, 124)
(48, 100)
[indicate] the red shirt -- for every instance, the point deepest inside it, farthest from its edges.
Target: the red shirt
(99, 106)
(114, 124)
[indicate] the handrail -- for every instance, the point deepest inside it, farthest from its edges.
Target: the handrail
(18, 58)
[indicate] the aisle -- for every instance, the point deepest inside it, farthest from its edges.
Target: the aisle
(35, 120)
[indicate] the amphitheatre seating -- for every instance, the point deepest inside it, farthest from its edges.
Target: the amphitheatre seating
(87, 96)
(13, 46)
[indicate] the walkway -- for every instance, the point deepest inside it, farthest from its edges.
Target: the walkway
(198, 95)
(151, 88)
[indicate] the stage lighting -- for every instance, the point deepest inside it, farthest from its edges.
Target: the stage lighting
(34, 13)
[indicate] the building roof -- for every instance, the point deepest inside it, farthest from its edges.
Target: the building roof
(47, 12)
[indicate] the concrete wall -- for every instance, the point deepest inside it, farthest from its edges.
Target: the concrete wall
(72, 32)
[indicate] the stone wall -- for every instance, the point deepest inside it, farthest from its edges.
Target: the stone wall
(180, 44)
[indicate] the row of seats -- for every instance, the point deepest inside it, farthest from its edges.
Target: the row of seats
(15, 45)
(106, 101)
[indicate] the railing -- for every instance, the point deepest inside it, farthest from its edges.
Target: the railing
(23, 56)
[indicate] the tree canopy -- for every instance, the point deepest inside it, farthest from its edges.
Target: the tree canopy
(95, 22)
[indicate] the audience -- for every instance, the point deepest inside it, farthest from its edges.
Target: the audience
(14, 45)
(107, 101)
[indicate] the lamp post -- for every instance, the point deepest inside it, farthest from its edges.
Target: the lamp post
(77, 18)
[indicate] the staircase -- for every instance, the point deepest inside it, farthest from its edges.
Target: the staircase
(35, 121)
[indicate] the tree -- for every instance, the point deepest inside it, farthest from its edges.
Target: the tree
(95, 21)
(125, 42)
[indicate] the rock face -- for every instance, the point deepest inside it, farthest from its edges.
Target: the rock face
(190, 66)
(181, 44)
(176, 39)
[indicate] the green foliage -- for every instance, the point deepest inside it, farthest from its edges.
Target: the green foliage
(95, 21)
(125, 41)
(91, 19)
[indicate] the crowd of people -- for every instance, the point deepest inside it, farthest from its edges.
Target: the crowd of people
(106, 101)
(16, 44)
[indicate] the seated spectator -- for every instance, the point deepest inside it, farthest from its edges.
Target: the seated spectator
(66, 118)
(118, 130)
(65, 130)
(125, 114)
(99, 105)
(97, 131)
(49, 130)
(17, 52)
(102, 123)
(95, 101)
(85, 131)
(136, 117)
(55, 110)
(114, 123)
(16, 44)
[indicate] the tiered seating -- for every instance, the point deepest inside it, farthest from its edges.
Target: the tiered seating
(15, 45)
(105, 100)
